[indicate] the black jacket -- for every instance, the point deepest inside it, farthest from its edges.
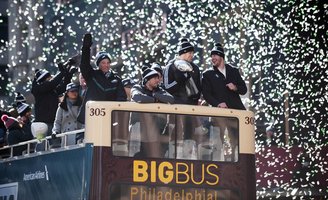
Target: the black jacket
(140, 94)
(99, 86)
(215, 90)
(16, 135)
(175, 82)
(46, 96)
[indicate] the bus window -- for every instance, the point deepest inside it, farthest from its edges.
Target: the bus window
(176, 136)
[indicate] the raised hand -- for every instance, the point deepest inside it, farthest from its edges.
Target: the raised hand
(87, 40)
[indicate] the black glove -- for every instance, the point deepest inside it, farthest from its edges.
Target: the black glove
(73, 70)
(53, 135)
(61, 67)
(87, 40)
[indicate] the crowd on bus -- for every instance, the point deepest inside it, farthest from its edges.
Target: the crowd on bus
(60, 102)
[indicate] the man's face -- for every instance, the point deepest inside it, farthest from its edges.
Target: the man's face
(216, 60)
(49, 78)
(104, 65)
(28, 114)
(153, 83)
(189, 56)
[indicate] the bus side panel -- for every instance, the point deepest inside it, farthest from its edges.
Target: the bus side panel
(51, 176)
(108, 170)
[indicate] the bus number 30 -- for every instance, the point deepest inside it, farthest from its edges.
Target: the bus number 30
(97, 112)
(249, 120)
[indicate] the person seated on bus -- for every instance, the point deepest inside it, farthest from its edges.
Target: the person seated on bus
(151, 125)
(15, 134)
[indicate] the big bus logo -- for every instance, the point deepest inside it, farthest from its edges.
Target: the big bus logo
(180, 172)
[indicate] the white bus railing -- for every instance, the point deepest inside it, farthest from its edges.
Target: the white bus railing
(44, 140)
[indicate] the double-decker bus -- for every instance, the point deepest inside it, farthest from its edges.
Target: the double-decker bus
(143, 152)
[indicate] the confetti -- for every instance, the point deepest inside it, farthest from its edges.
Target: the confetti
(280, 47)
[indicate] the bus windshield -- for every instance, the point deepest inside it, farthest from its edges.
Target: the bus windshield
(175, 136)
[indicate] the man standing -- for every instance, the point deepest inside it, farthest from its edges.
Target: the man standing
(182, 76)
(222, 86)
(46, 90)
(182, 80)
(151, 124)
(149, 91)
(103, 84)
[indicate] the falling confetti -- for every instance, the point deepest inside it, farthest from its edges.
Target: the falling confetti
(280, 47)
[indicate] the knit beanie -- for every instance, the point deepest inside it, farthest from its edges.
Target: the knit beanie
(41, 75)
(101, 55)
(72, 87)
(148, 74)
(218, 50)
(23, 108)
(185, 46)
(20, 98)
(9, 121)
(157, 67)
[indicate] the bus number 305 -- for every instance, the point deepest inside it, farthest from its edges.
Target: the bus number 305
(97, 112)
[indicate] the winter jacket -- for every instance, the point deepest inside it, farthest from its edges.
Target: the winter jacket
(66, 116)
(27, 129)
(141, 94)
(46, 96)
(215, 90)
(15, 136)
(100, 87)
(175, 82)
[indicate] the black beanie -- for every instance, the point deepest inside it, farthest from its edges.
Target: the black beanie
(101, 55)
(41, 75)
(23, 108)
(147, 74)
(185, 46)
(218, 50)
